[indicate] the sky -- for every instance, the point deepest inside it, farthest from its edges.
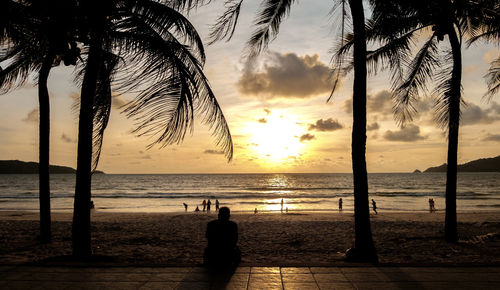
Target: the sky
(276, 110)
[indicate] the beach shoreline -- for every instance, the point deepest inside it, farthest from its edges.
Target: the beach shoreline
(266, 239)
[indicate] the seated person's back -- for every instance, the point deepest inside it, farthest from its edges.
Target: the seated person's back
(222, 236)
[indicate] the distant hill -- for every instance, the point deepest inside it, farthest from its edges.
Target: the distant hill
(21, 167)
(480, 165)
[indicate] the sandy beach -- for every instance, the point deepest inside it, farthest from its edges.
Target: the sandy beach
(265, 239)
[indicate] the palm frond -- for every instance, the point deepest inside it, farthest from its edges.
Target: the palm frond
(102, 104)
(226, 23)
(268, 23)
(445, 93)
(406, 93)
(175, 90)
(493, 79)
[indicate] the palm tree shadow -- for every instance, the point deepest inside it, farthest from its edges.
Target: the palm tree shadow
(204, 278)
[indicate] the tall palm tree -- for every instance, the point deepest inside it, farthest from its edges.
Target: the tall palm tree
(143, 35)
(396, 25)
(268, 22)
(34, 35)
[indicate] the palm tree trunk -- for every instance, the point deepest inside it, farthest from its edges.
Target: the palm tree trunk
(450, 223)
(363, 244)
(43, 162)
(81, 234)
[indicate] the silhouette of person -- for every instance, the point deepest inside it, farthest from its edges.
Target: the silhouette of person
(204, 203)
(431, 205)
(374, 205)
(92, 206)
(185, 206)
(197, 209)
(255, 211)
(216, 205)
(340, 204)
(209, 203)
(281, 205)
(222, 236)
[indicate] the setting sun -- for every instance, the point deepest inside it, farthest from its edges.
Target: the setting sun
(276, 137)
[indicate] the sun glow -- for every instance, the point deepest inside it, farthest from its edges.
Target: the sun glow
(276, 138)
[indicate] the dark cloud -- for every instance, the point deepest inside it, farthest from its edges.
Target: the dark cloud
(473, 114)
(33, 116)
(347, 105)
(211, 151)
(491, 137)
(117, 100)
(326, 125)
(372, 126)
(287, 75)
(67, 139)
(262, 120)
(306, 137)
(381, 102)
(407, 134)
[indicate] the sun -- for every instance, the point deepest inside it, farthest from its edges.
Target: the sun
(276, 137)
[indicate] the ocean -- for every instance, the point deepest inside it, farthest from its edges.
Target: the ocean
(245, 192)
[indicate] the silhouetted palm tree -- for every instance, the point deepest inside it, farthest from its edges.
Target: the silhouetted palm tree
(35, 34)
(142, 35)
(399, 24)
(268, 22)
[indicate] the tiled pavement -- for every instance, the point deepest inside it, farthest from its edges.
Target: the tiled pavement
(303, 278)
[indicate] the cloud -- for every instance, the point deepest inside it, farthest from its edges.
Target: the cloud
(287, 75)
(307, 137)
(347, 105)
(381, 102)
(262, 120)
(372, 126)
(117, 100)
(491, 137)
(268, 112)
(407, 134)
(211, 151)
(473, 114)
(326, 125)
(67, 139)
(33, 116)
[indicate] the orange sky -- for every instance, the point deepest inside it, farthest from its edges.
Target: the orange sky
(276, 110)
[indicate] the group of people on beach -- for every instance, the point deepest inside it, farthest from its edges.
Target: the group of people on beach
(207, 205)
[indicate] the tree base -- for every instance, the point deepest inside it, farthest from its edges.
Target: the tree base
(361, 256)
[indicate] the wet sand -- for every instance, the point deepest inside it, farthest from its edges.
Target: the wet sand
(265, 239)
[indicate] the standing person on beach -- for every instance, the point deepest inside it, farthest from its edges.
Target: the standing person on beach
(209, 203)
(374, 205)
(216, 205)
(204, 203)
(281, 205)
(222, 236)
(185, 206)
(340, 204)
(431, 205)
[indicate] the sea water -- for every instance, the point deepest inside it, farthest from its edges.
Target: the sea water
(245, 192)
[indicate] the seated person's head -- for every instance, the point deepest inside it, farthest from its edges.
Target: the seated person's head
(224, 213)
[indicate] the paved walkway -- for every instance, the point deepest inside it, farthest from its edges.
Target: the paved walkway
(303, 278)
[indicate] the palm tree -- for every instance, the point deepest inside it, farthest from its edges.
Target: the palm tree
(268, 22)
(35, 34)
(398, 24)
(143, 34)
